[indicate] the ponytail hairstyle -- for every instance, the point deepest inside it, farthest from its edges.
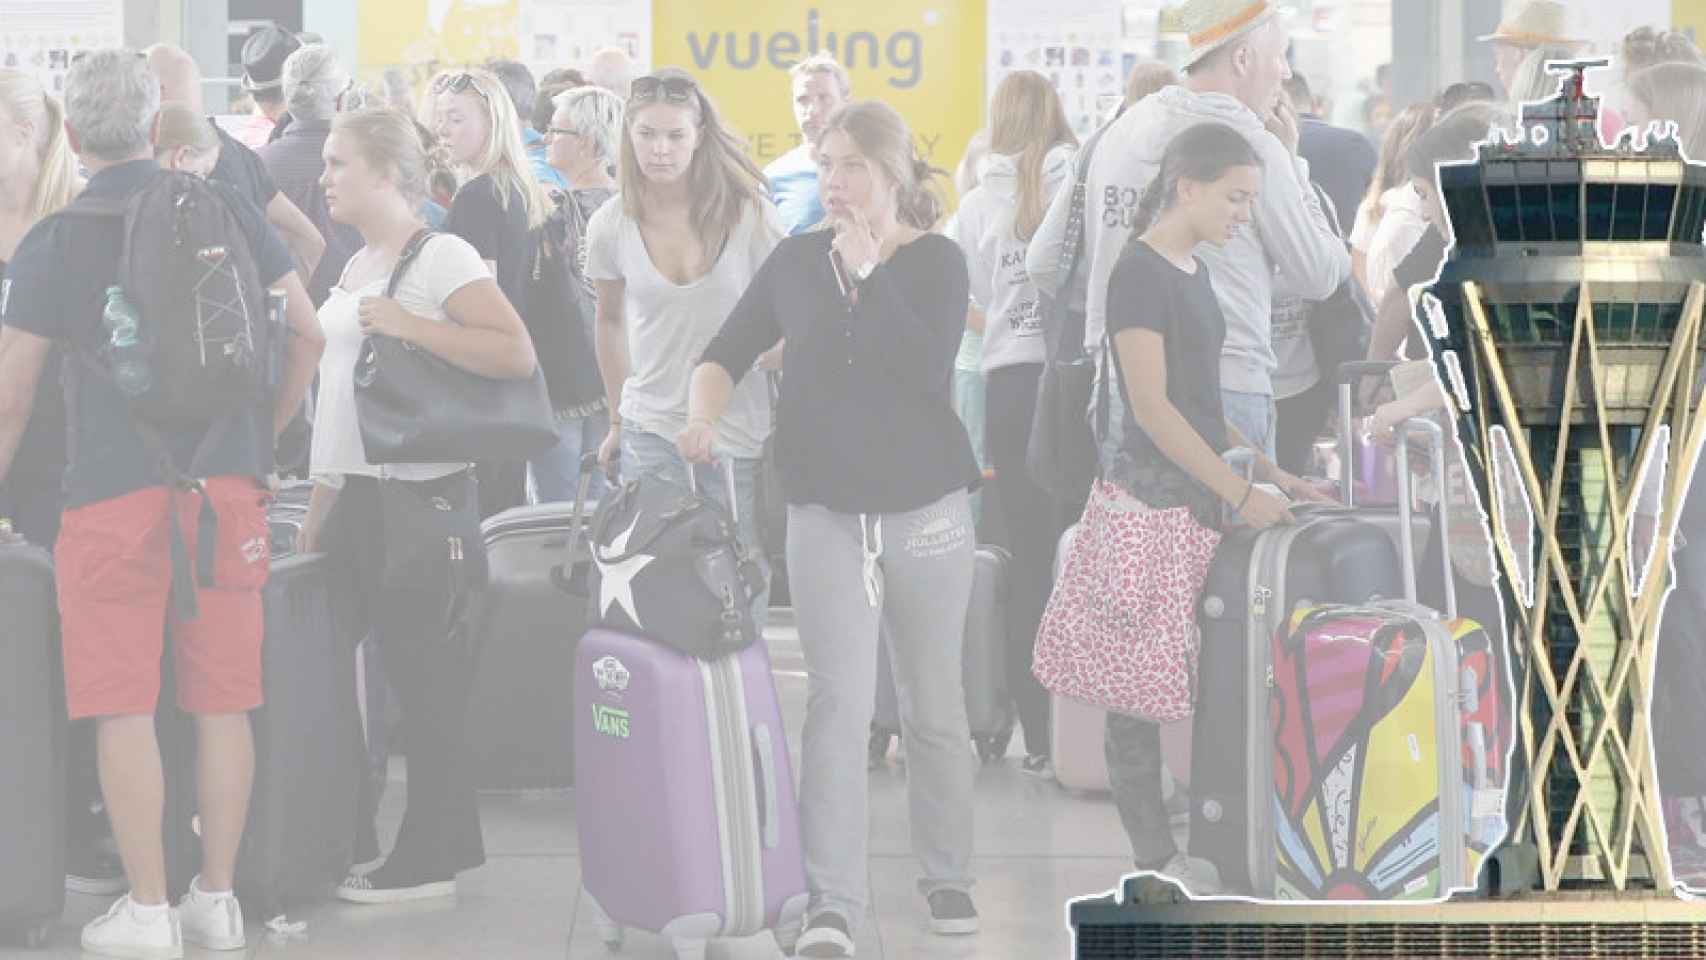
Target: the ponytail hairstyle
(23, 99)
(1026, 122)
(884, 138)
(1201, 154)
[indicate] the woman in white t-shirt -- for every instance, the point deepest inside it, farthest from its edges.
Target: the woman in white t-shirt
(1390, 220)
(406, 538)
(670, 260)
(1031, 147)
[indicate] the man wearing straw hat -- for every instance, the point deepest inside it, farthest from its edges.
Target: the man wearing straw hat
(1540, 23)
(1233, 75)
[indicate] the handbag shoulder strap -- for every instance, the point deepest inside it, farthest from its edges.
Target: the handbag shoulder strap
(411, 253)
(1072, 249)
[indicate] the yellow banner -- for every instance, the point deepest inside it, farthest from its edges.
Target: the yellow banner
(925, 60)
(420, 35)
(1690, 15)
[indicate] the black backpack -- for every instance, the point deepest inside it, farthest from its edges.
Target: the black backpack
(204, 329)
(203, 326)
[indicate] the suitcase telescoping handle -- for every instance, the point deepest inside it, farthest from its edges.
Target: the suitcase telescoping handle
(1350, 375)
(582, 529)
(1406, 506)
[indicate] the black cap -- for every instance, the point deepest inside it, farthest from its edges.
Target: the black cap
(264, 54)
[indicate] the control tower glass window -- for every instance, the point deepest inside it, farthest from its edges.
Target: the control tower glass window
(1507, 213)
(1536, 213)
(1567, 210)
(1661, 199)
(1469, 216)
(1601, 210)
(1631, 207)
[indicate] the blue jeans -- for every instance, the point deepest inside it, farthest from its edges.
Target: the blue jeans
(554, 476)
(1255, 416)
(650, 455)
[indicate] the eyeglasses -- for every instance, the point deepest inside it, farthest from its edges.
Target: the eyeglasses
(669, 89)
(457, 83)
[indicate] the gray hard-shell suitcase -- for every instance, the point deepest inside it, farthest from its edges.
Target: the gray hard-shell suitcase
(532, 616)
(32, 746)
(989, 708)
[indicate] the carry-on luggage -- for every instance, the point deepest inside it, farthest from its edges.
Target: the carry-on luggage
(33, 742)
(1377, 754)
(1077, 733)
(308, 752)
(1330, 554)
(983, 667)
(531, 616)
(685, 799)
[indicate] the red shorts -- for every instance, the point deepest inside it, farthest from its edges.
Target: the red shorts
(114, 569)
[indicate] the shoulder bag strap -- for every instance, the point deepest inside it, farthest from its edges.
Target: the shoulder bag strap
(411, 253)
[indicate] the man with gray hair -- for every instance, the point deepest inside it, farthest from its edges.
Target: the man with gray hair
(316, 87)
(821, 87)
(122, 505)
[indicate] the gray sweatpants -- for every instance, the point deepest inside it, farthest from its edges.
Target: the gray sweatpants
(912, 573)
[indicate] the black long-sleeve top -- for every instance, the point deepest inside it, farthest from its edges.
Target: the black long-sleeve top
(866, 422)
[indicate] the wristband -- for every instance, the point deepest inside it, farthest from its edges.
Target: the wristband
(1251, 486)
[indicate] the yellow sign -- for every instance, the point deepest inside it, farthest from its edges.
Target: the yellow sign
(923, 59)
(1690, 15)
(421, 35)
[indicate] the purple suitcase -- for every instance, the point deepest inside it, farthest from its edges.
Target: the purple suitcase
(682, 779)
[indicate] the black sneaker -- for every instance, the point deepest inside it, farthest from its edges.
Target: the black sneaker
(952, 914)
(827, 936)
(383, 886)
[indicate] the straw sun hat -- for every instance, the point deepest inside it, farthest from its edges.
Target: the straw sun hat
(1540, 23)
(1212, 24)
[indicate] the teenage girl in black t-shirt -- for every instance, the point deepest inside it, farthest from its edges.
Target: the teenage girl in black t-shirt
(1166, 431)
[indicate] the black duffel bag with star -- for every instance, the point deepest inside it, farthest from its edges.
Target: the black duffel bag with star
(670, 567)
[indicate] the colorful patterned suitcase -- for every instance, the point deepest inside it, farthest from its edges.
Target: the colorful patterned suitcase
(684, 794)
(1385, 748)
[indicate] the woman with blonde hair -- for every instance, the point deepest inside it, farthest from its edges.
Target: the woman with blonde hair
(669, 260)
(875, 468)
(497, 209)
(1390, 219)
(1031, 148)
(385, 528)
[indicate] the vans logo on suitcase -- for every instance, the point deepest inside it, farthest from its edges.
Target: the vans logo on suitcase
(610, 721)
(611, 675)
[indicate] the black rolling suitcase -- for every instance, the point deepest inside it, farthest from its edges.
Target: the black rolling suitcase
(1329, 556)
(32, 746)
(308, 752)
(521, 713)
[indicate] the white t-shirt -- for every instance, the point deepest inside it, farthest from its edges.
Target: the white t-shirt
(445, 265)
(669, 325)
(1387, 243)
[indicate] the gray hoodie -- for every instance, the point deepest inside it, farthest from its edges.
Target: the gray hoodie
(995, 257)
(1290, 246)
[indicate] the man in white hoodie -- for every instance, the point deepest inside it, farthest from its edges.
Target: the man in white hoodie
(1233, 75)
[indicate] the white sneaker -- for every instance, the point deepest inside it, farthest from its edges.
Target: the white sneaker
(121, 932)
(209, 921)
(1199, 877)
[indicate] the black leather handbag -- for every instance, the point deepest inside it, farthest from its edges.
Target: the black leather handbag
(671, 568)
(1061, 454)
(416, 407)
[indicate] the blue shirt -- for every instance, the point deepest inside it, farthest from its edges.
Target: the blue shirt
(108, 458)
(546, 174)
(793, 186)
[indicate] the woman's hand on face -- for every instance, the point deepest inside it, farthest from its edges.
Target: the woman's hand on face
(855, 241)
(698, 442)
(385, 316)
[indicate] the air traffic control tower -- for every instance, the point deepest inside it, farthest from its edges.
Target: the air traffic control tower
(1566, 326)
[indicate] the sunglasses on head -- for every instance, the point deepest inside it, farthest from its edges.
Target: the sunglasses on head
(457, 83)
(668, 89)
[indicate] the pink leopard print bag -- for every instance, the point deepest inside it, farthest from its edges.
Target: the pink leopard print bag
(1120, 630)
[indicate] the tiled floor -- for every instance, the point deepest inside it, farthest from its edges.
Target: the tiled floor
(1037, 846)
